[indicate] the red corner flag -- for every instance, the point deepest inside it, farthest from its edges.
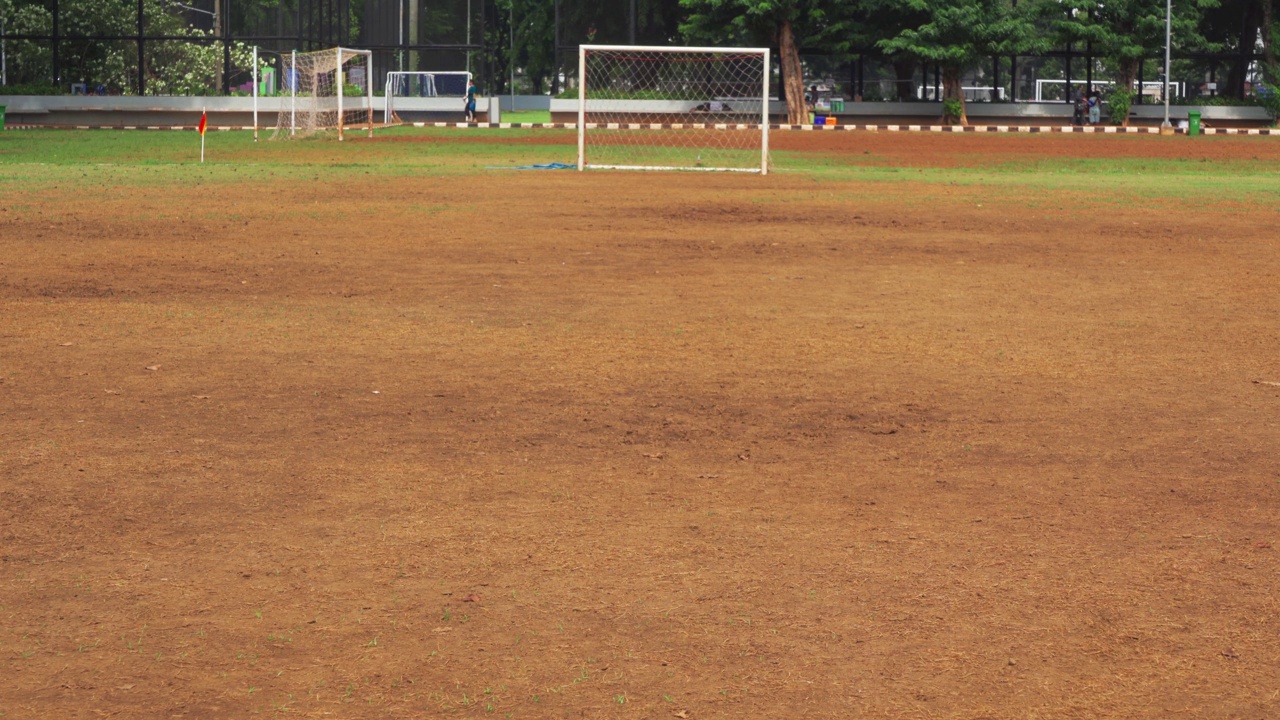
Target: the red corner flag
(204, 123)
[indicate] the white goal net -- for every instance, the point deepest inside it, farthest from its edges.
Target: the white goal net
(327, 90)
(673, 108)
(405, 85)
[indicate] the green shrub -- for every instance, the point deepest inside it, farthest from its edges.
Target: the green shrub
(29, 89)
(1269, 97)
(1120, 100)
(952, 109)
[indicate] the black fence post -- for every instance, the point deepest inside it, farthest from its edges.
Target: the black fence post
(1088, 69)
(57, 40)
(1013, 78)
(142, 75)
(485, 78)
(555, 48)
(1066, 93)
(226, 47)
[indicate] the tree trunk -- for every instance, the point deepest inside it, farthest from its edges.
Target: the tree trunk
(1269, 69)
(792, 75)
(1237, 74)
(1126, 74)
(951, 90)
(904, 73)
(414, 9)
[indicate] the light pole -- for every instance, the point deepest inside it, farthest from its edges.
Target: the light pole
(511, 60)
(1168, 33)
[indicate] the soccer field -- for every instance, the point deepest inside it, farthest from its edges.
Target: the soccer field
(917, 425)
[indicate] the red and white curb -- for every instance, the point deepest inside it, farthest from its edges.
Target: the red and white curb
(1043, 129)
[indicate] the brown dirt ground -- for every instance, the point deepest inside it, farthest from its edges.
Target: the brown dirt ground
(609, 445)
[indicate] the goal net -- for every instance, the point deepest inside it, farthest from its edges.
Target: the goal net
(402, 85)
(673, 108)
(327, 90)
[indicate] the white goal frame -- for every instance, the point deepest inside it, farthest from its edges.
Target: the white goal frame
(292, 77)
(584, 79)
(396, 75)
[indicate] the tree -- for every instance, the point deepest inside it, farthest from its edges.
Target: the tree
(1124, 32)
(960, 33)
(878, 20)
(1235, 27)
(534, 37)
(784, 24)
(170, 67)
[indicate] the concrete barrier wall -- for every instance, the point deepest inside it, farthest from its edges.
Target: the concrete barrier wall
(118, 111)
(1019, 113)
(79, 110)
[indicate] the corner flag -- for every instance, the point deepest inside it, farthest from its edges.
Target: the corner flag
(204, 124)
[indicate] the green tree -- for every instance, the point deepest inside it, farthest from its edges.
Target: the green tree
(533, 36)
(1234, 27)
(1124, 32)
(824, 25)
(171, 67)
(878, 20)
(957, 34)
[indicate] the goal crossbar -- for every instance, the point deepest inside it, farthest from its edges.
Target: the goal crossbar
(693, 94)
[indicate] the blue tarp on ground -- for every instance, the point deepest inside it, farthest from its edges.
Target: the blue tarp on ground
(548, 166)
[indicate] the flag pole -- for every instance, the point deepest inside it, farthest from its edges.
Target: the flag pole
(255, 93)
(203, 119)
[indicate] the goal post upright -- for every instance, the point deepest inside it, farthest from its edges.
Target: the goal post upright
(673, 108)
(293, 93)
(764, 116)
(582, 107)
(339, 80)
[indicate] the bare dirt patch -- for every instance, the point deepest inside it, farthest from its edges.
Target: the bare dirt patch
(618, 445)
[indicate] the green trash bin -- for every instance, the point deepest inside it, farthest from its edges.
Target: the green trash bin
(1193, 122)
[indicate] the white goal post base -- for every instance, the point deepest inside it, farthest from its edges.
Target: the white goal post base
(702, 108)
(683, 168)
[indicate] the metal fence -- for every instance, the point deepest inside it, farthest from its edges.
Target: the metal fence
(199, 47)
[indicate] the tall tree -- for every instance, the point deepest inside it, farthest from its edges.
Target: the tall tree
(170, 67)
(1125, 32)
(878, 20)
(785, 24)
(957, 34)
(1269, 32)
(1234, 28)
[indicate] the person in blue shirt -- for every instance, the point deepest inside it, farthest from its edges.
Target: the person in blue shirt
(471, 101)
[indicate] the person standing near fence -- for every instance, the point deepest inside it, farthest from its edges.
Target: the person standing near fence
(471, 101)
(1095, 108)
(1080, 106)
